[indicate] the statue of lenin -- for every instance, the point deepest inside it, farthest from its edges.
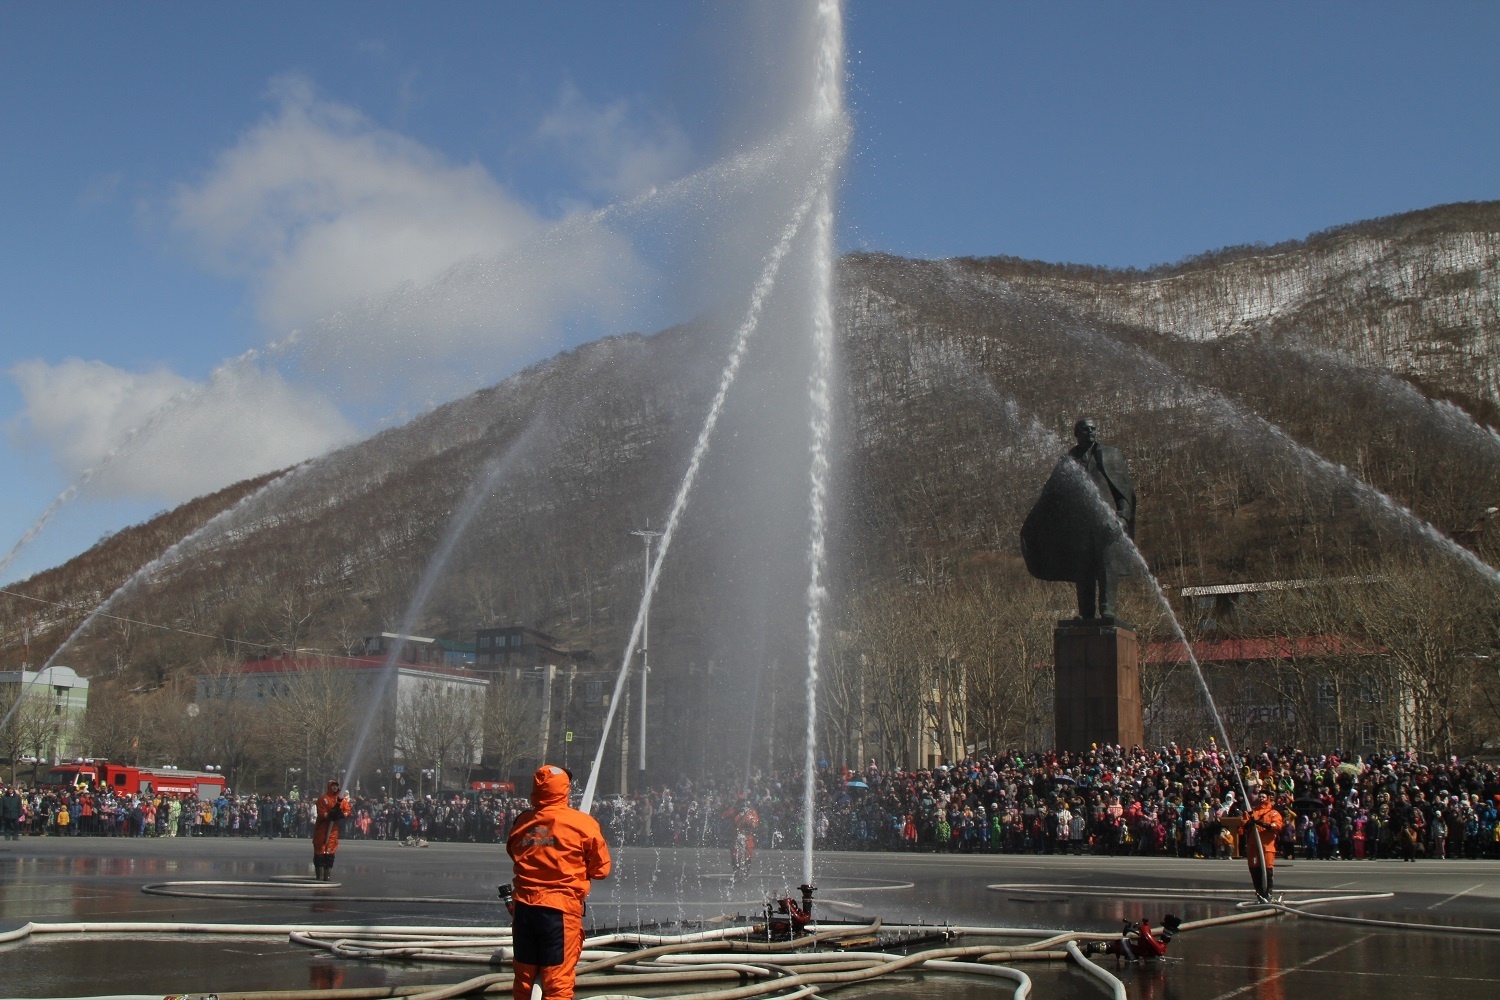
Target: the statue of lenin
(1070, 534)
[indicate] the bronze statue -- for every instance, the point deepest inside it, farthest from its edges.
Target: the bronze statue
(1069, 534)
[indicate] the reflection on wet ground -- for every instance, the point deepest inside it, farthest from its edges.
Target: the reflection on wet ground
(71, 879)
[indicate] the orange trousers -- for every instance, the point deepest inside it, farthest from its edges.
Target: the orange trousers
(548, 943)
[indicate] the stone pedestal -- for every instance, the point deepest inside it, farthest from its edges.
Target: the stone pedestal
(1098, 694)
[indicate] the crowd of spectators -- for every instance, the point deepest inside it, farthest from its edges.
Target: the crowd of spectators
(44, 810)
(1167, 802)
(1171, 801)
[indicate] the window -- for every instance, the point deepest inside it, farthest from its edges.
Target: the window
(1328, 693)
(1367, 734)
(484, 642)
(515, 640)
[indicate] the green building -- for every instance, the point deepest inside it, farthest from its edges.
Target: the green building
(45, 726)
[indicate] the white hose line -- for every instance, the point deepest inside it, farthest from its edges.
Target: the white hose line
(1021, 979)
(1228, 918)
(376, 944)
(583, 982)
(977, 929)
(240, 930)
(797, 994)
(352, 940)
(1406, 925)
(1340, 898)
(621, 958)
(817, 979)
(654, 978)
(787, 958)
(170, 889)
(1110, 981)
(24, 931)
(1048, 936)
(275, 882)
(744, 969)
(1061, 939)
(498, 938)
(718, 934)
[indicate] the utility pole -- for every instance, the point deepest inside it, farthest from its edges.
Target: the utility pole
(549, 672)
(567, 701)
(646, 537)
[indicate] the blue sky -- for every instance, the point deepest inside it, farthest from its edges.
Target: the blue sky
(182, 183)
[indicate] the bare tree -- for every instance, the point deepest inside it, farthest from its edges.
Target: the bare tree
(510, 724)
(441, 725)
(115, 723)
(1433, 621)
(312, 718)
(37, 727)
(230, 732)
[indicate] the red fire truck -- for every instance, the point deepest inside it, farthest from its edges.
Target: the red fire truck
(123, 779)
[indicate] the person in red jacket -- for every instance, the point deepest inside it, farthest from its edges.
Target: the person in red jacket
(1264, 825)
(331, 807)
(746, 821)
(557, 852)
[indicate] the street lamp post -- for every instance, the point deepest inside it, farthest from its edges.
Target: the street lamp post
(645, 536)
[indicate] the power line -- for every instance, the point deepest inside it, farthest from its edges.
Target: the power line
(133, 621)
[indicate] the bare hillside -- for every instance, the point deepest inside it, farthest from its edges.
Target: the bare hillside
(1287, 410)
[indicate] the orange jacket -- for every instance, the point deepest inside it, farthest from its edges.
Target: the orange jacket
(330, 808)
(556, 849)
(1268, 823)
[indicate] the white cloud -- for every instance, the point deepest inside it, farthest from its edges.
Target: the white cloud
(318, 207)
(406, 275)
(189, 438)
(616, 151)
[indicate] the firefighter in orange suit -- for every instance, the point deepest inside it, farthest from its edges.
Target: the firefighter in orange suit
(331, 807)
(557, 851)
(1265, 823)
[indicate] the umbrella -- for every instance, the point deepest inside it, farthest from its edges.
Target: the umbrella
(855, 784)
(1063, 779)
(1350, 769)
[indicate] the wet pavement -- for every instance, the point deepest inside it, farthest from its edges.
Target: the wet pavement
(73, 879)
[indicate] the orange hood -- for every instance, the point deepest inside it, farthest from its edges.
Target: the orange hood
(550, 786)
